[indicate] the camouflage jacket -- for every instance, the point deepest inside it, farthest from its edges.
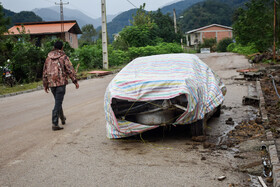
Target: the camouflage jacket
(57, 69)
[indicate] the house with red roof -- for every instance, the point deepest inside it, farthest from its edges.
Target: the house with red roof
(66, 30)
(217, 31)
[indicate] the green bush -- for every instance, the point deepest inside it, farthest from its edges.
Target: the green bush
(244, 50)
(27, 62)
(26, 59)
(209, 43)
(118, 57)
(47, 46)
(88, 56)
(230, 47)
(138, 36)
(161, 48)
(222, 45)
(165, 48)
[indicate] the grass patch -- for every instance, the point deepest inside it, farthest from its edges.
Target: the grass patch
(18, 87)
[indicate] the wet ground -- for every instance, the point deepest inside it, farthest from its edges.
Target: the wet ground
(81, 155)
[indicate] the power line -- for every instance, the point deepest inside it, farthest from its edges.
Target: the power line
(62, 16)
(49, 1)
(72, 5)
(131, 3)
(79, 8)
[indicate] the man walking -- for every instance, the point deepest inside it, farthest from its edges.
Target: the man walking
(57, 69)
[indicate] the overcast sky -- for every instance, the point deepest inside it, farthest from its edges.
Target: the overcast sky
(91, 8)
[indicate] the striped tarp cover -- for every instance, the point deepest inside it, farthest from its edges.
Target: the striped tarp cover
(163, 77)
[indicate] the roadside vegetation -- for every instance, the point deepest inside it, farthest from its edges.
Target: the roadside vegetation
(253, 28)
(19, 87)
(149, 33)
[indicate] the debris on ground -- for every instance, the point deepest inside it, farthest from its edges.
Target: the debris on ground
(262, 181)
(221, 178)
(230, 121)
(224, 147)
(207, 145)
(252, 76)
(203, 158)
(248, 70)
(261, 57)
(272, 101)
(249, 100)
(244, 131)
(199, 138)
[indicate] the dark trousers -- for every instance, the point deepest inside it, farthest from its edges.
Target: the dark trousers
(58, 93)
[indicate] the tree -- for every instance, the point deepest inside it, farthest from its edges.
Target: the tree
(206, 13)
(88, 34)
(141, 33)
(4, 22)
(4, 45)
(138, 36)
(165, 27)
(142, 17)
(254, 24)
(26, 16)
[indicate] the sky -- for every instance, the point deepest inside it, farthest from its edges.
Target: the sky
(91, 8)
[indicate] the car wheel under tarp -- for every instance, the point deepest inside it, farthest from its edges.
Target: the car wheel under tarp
(197, 128)
(218, 112)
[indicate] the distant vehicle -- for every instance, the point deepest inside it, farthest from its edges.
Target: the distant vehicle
(168, 89)
(8, 77)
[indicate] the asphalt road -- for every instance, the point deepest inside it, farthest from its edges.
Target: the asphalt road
(31, 154)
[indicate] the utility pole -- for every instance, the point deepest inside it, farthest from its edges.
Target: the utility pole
(62, 17)
(274, 33)
(104, 35)
(175, 22)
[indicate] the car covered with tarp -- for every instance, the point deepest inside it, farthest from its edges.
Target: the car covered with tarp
(159, 90)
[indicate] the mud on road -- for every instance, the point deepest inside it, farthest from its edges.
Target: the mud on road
(81, 155)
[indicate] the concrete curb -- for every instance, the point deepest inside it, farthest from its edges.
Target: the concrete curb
(22, 92)
(276, 175)
(269, 136)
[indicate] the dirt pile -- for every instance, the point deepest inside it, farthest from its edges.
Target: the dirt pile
(262, 57)
(244, 131)
(270, 86)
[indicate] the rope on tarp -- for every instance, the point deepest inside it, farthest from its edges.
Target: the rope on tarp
(155, 145)
(160, 106)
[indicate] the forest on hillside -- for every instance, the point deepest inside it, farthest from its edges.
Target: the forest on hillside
(206, 13)
(195, 13)
(21, 17)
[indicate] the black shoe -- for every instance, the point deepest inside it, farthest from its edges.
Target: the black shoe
(62, 117)
(56, 128)
(63, 120)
